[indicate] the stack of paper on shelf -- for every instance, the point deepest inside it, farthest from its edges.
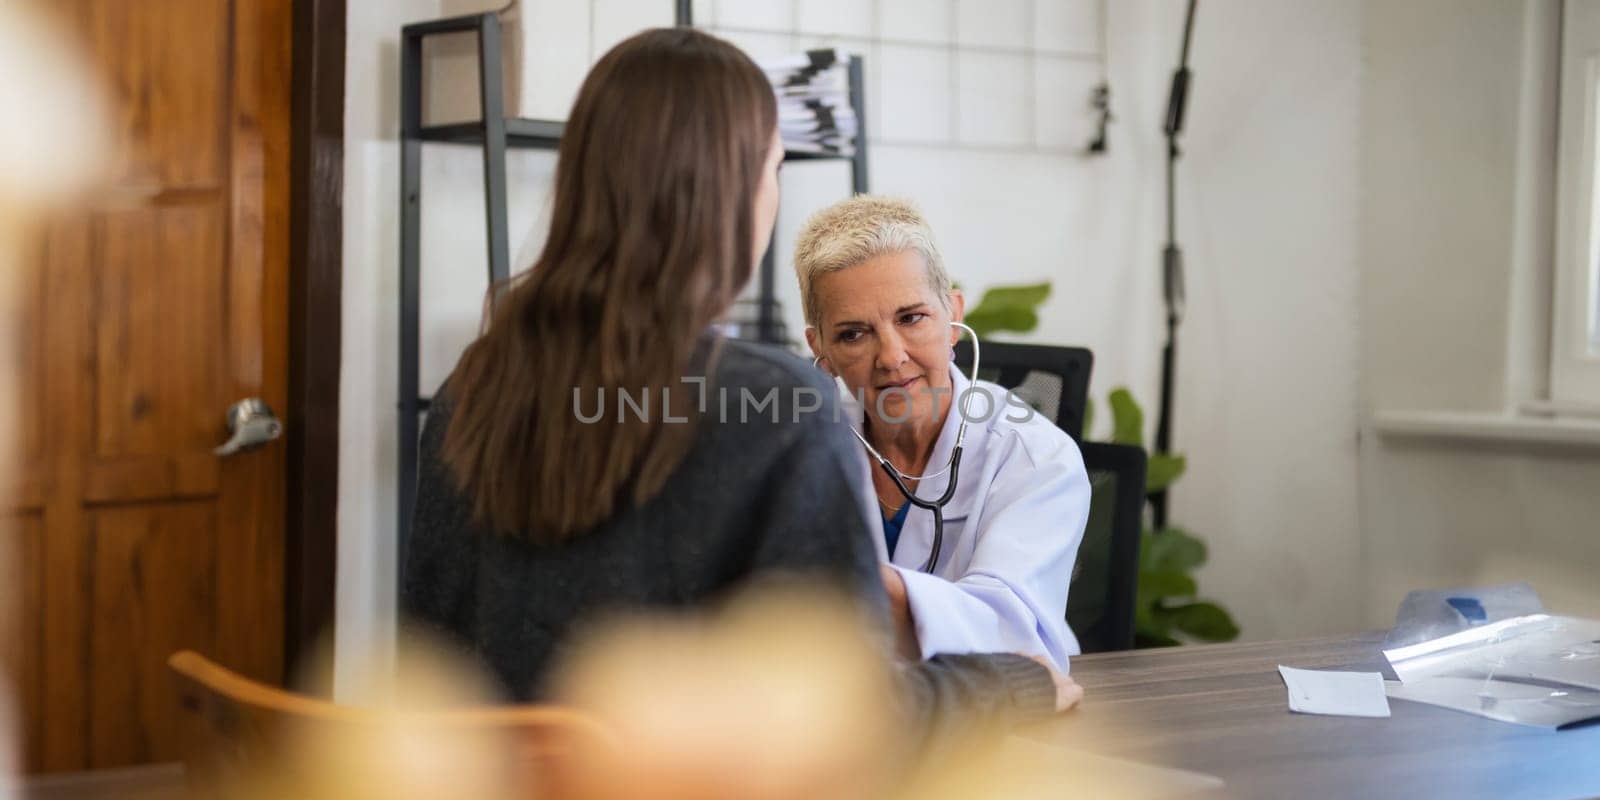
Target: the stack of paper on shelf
(814, 111)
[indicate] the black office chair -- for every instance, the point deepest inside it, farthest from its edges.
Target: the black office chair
(1054, 380)
(1105, 574)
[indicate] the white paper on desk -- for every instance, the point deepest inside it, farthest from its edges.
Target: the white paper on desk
(1341, 694)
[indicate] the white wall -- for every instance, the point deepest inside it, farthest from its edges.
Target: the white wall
(1268, 206)
(1268, 383)
(364, 601)
(1454, 310)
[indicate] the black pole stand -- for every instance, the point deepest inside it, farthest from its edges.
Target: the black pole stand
(1172, 262)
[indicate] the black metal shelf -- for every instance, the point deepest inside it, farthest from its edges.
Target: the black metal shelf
(468, 23)
(494, 133)
(536, 134)
(543, 134)
(800, 155)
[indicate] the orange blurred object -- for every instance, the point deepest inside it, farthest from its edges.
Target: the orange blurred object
(46, 163)
(434, 739)
(780, 695)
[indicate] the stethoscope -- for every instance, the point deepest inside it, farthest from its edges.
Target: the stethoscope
(954, 467)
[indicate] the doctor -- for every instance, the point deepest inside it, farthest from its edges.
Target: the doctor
(879, 308)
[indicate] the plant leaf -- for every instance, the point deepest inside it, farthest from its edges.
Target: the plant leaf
(1143, 619)
(1162, 470)
(1171, 550)
(1151, 637)
(1008, 308)
(1027, 296)
(989, 319)
(1204, 620)
(1151, 630)
(1156, 585)
(1147, 550)
(1127, 419)
(1088, 417)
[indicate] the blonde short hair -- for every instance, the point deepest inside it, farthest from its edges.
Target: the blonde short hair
(859, 229)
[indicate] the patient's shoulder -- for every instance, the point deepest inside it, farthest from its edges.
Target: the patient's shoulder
(754, 365)
(763, 394)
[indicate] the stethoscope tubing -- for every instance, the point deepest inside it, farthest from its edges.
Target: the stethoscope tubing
(936, 506)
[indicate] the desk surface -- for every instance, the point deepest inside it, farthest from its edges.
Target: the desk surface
(1222, 709)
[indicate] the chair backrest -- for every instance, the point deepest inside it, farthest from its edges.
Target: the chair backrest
(243, 729)
(1105, 579)
(1054, 380)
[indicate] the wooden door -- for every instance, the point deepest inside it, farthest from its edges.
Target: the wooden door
(147, 316)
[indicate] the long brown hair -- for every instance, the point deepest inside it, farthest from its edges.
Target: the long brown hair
(651, 239)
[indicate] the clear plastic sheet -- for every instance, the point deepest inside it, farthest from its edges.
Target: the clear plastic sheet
(1493, 652)
(1519, 703)
(1435, 613)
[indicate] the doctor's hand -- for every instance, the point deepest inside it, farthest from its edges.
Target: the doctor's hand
(905, 628)
(1068, 692)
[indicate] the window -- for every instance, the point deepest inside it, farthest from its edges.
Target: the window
(1575, 307)
(1586, 288)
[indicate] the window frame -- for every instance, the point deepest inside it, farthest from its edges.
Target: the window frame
(1574, 363)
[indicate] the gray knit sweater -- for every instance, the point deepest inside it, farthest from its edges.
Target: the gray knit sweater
(761, 492)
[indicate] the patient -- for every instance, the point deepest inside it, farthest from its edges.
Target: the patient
(599, 449)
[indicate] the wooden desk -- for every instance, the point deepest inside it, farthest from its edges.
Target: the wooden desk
(1222, 709)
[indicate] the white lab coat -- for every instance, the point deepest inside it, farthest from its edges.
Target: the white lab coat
(1011, 533)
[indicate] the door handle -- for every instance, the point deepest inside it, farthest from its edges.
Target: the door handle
(251, 424)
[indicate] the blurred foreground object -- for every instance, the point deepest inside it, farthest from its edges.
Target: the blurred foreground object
(47, 160)
(51, 148)
(53, 144)
(428, 732)
(785, 694)
(781, 694)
